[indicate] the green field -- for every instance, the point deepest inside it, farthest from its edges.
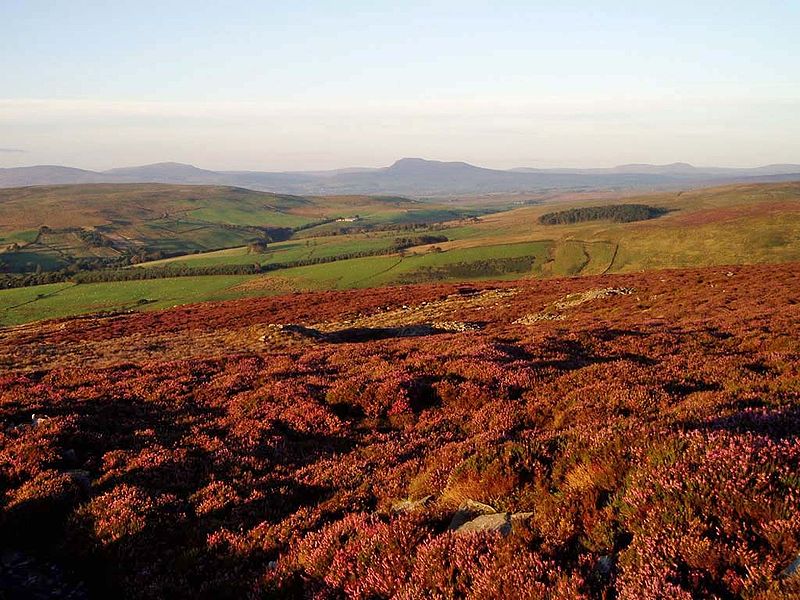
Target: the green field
(22, 305)
(283, 252)
(246, 216)
(18, 237)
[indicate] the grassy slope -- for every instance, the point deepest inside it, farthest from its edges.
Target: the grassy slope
(22, 305)
(290, 250)
(175, 218)
(94, 205)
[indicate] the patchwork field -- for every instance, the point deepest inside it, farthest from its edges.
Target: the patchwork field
(175, 219)
(386, 243)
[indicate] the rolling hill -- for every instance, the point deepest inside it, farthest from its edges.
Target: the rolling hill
(50, 225)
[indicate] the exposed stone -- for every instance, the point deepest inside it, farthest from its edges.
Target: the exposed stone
(571, 300)
(520, 517)
(37, 419)
(455, 326)
(24, 576)
(552, 312)
(500, 522)
(290, 330)
(81, 477)
(468, 510)
(604, 565)
(532, 318)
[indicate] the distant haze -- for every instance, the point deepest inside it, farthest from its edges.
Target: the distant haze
(413, 177)
(314, 85)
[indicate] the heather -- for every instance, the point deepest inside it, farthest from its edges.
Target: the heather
(638, 434)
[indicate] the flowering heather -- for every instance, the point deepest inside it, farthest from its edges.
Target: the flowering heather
(645, 445)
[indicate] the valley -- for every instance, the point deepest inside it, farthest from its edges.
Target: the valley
(146, 247)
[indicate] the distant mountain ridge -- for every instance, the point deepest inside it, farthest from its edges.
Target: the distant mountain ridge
(411, 176)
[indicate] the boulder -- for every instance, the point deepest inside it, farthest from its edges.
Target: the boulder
(468, 510)
(81, 477)
(604, 565)
(520, 517)
(500, 522)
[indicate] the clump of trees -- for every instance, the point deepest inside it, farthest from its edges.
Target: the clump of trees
(16, 280)
(163, 272)
(257, 247)
(94, 238)
(617, 213)
(361, 227)
(401, 243)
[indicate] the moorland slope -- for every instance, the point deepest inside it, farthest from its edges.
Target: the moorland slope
(619, 436)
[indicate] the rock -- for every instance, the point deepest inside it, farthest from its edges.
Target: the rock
(604, 565)
(572, 300)
(468, 510)
(500, 522)
(532, 318)
(455, 326)
(290, 331)
(520, 517)
(37, 420)
(792, 571)
(403, 506)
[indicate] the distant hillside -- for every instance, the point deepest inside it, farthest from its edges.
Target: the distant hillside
(682, 170)
(412, 177)
(161, 172)
(47, 175)
(193, 243)
(49, 227)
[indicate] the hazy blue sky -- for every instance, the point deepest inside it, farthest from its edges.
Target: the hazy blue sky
(294, 84)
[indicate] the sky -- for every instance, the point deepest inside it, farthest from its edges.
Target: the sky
(300, 85)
